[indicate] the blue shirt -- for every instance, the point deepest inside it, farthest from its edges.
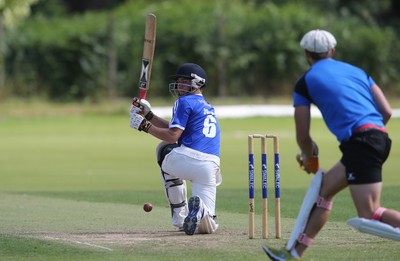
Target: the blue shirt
(197, 119)
(342, 92)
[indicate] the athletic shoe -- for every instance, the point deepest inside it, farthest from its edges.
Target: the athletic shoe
(192, 219)
(279, 254)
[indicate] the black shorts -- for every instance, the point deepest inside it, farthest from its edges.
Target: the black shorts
(363, 156)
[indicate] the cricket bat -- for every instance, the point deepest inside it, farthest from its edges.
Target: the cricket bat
(148, 54)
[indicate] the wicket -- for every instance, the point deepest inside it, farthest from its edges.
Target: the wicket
(264, 180)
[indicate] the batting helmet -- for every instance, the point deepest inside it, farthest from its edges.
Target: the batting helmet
(192, 72)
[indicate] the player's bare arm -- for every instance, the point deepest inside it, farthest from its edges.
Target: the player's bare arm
(381, 103)
(308, 156)
(170, 135)
(159, 122)
(302, 121)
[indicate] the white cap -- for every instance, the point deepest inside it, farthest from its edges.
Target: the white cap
(318, 41)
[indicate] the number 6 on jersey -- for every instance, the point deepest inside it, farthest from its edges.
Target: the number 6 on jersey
(148, 53)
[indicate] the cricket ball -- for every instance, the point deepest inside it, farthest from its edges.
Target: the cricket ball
(147, 207)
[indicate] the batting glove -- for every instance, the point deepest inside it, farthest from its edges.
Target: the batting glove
(144, 107)
(139, 123)
(309, 164)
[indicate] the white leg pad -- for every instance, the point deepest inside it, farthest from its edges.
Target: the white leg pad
(176, 193)
(178, 216)
(305, 209)
(207, 225)
(375, 227)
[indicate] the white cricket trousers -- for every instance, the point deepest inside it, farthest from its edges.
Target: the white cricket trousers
(201, 169)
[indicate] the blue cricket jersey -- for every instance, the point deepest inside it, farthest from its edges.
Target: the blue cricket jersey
(342, 93)
(196, 117)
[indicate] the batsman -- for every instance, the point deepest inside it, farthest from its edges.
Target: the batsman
(189, 150)
(356, 111)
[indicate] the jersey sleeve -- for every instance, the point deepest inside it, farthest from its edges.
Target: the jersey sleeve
(180, 116)
(371, 81)
(301, 97)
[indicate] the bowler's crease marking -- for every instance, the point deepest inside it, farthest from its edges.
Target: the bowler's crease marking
(79, 242)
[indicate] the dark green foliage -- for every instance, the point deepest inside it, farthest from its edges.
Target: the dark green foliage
(246, 47)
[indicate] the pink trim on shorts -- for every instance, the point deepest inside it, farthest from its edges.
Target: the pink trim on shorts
(369, 126)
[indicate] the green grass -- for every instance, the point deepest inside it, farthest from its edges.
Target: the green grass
(73, 181)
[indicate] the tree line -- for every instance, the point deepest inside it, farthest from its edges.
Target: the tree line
(248, 48)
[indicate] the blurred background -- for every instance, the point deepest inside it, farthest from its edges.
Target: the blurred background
(74, 50)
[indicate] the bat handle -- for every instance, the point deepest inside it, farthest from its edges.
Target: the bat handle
(142, 93)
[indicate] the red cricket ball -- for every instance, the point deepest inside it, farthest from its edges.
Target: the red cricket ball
(147, 207)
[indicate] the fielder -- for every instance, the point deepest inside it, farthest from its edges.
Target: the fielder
(356, 111)
(189, 151)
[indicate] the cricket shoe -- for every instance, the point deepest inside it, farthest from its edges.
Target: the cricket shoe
(279, 254)
(193, 218)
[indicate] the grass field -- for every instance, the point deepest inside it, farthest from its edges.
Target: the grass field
(73, 180)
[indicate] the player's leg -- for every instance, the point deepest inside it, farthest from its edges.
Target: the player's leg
(364, 156)
(372, 218)
(207, 193)
(307, 205)
(366, 198)
(204, 185)
(333, 182)
(174, 187)
(201, 218)
(391, 217)
(313, 214)
(204, 175)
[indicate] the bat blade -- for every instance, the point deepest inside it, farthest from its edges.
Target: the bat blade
(148, 54)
